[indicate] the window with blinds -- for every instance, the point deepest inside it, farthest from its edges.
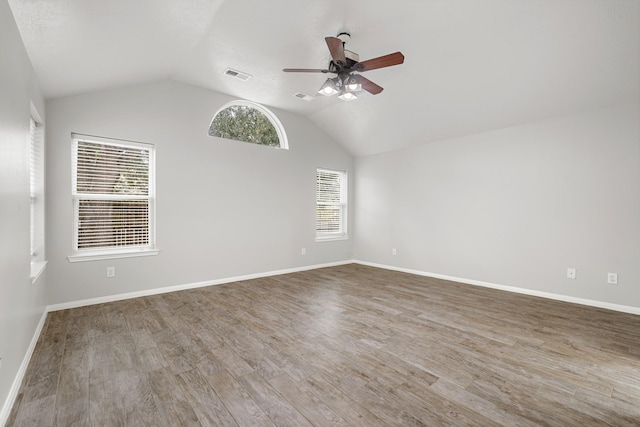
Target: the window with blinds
(36, 190)
(113, 192)
(331, 204)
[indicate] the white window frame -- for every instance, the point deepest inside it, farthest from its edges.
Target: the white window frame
(341, 234)
(36, 196)
(112, 252)
(282, 135)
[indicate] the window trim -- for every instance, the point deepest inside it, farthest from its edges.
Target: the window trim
(343, 233)
(37, 268)
(100, 255)
(37, 212)
(78, 255)
(282, 135)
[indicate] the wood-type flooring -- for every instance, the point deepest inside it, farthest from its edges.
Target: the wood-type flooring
(341, 346)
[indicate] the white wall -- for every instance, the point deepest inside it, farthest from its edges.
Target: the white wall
(513, 207)
(224, 208)
(22, 303)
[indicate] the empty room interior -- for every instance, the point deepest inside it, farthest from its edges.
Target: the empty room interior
(311, 213)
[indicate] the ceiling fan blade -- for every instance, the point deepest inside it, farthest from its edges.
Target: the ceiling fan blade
(336, 47)
(305, 70)
(370, 86)
(396, 58)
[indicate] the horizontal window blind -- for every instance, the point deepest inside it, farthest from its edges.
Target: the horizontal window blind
(109, 224)
(331, 202)
(111, 169)
(36, 189)
(113, 195)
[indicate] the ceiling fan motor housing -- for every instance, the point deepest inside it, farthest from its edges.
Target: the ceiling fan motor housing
(352, 58)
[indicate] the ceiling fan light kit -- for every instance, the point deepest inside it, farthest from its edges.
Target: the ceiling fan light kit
(346, 64)
(348, 96)
(353, 83)
(331, 87)
(346, 88)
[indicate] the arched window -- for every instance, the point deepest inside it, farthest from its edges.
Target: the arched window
(248, 122)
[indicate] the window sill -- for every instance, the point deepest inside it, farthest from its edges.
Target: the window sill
(96, 256)
(331, 238)
(37, 267)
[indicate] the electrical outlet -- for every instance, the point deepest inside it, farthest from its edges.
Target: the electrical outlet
(612, 278)
(571, 273)
(394, 252)
(111, 272)
(303, 251)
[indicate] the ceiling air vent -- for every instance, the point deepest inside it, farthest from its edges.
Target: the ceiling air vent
(304, 96)
(237, 74)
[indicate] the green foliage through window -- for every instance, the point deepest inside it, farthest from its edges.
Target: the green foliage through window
(245, 123)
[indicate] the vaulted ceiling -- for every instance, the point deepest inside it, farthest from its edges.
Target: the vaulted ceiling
(471, 65)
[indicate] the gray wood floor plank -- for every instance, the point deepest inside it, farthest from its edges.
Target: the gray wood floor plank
(277, 408)
(38, 412)
(74, 383)
(313, 408)
(172, 400)
(206, 404)
(482, 406)
(348, 409)
(237, 401)
(72, 414)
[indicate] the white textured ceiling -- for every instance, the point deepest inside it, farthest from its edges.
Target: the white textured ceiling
(471, 65)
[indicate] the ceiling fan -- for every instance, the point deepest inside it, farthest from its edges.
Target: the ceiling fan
(346, 65)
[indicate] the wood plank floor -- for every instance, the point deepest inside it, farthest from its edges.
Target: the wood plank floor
(341, 346)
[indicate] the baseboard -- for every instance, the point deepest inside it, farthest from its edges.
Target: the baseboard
(17, 382)
(549, 295)
(524, 291)
(163, 290)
